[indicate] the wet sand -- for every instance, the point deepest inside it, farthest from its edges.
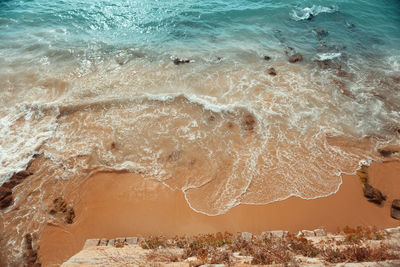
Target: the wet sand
(109, 205)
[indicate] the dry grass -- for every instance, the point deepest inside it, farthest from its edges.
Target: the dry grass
(218, 248)
(356, 253)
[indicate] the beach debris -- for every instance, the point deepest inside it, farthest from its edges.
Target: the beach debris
(30, 254)
(61, 207)
(267, 58)
(178, 61)
(249, 122)
(395, 209)
(295, 58)
(271, 71)
(373, 194)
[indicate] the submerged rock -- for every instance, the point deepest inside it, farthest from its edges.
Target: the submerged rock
(395, 210)
(387, 152)
(321, 32)
(30, 254)
(272, 71)
(373, 194)
(61, 207)
(295, 58)
(6, 198)
(323, 64)
(178, 61)
(249, 122)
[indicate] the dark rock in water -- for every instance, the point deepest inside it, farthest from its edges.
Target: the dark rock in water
(30, 254)
(295, 58)
(321, 32)
(310, 16)
(323, 64)
(21, 175)
(272, 71)
(387, 152)
(11, 183)
(61, 207)
(267, 58)
(70, 215)
(178, 61)
(249, 122)
(395, 210)
(4, 192)
(373, 194)
(6, 202)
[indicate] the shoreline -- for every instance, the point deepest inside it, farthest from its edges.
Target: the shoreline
(138, 207)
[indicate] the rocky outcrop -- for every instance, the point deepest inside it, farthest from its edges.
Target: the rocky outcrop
(395, 209)
(373, 194)
(370, 192)
(6, 198)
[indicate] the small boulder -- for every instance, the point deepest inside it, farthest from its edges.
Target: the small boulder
(395, 210)
(267, 58)
(295, 58)
(373, 194)
(310, 16)
(271, 71)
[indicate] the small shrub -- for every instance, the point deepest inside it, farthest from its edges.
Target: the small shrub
(301, 245)
(153, 243)
(163, 256)
(356, 253)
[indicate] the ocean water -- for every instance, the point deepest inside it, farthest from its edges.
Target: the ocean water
(92, 85)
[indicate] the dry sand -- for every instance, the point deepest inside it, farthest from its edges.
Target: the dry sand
(124, 204)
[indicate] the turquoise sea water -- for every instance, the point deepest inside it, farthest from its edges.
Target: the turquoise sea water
(97, 79)
(92, 85)
(60, 30)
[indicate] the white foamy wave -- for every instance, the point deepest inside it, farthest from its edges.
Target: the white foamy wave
(328, 56)
(304, 13)
(23, 130)
(394, 62)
